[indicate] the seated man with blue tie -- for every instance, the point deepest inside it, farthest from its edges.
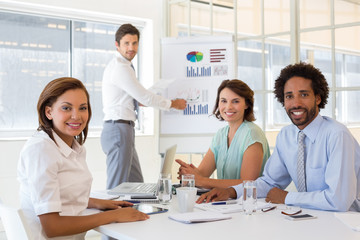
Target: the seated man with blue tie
(316, 152)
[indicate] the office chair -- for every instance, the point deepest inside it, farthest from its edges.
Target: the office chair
(14, 222)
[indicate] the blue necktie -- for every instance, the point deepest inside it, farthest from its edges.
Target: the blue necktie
(301, 163)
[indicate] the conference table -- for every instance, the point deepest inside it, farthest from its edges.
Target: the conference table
(260, 225)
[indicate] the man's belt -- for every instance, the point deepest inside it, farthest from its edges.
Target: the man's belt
(121, 121)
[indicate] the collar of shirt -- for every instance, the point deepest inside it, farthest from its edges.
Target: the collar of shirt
(64, 148)
(311, 130)
(122, 59)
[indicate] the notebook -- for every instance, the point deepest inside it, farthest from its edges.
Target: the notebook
(145, 189)
(198, 217)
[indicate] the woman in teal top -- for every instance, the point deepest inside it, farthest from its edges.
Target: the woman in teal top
(238, 151)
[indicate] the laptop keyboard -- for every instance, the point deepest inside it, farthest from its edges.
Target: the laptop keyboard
(145, 188)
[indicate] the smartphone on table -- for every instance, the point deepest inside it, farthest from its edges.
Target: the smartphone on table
(149, 209)
(300, 217)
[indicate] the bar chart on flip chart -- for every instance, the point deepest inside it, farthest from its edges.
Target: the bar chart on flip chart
(198, 65)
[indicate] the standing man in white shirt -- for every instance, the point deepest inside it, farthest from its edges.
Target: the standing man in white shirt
(120, 91)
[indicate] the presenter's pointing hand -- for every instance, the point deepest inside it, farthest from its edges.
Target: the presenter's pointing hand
(179, 104)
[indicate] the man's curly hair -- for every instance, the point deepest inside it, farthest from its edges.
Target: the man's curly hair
(307, 71)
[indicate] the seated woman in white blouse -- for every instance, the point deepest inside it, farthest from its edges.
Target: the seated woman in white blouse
(54, 179)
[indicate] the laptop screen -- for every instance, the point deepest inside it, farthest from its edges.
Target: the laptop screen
(168, 159)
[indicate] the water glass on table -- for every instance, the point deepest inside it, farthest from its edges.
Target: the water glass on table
(164, 188)
(249, 197)
(188, 180)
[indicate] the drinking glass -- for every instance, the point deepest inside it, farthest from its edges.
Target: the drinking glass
(164, 188)
(249, 197)
(188, 180)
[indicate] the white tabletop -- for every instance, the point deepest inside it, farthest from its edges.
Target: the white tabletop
(269, 225)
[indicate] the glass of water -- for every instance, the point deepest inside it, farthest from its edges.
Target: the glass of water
(164, 188)
(188, 180)
(249, 197)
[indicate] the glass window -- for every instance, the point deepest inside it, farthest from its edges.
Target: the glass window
(346, 11)
(249, 17)
(314, 13)
(327, 111)
(332, 45)
(250, 63)
(348, 60)
(94, 46)
(351, 73)
(347, 103)
(276, 16)
(200, 17)
(277, 116)
(278, 56)
(178, 19)
(223, 19)
(36, 49)
(33, 50)
(258, 106)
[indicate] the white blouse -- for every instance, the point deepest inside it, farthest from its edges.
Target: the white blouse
(53, 178)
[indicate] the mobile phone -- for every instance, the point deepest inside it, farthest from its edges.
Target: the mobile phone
(300, 217)
(149, 209)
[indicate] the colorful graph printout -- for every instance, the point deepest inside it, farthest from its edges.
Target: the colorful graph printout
(194, 56)
(196, 109)
(218, 55)
(198, 71)
(198, 65)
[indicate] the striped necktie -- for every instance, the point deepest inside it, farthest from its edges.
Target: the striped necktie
(301, 163)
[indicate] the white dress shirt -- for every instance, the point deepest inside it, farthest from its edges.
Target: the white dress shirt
(119, 89)
(53, 178)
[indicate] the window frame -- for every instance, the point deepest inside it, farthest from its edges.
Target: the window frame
(295, 43)
(72, 15)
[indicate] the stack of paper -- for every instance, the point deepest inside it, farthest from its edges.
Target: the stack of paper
(351, 219)
(197, 217)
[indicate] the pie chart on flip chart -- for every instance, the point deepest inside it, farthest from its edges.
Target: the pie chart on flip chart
(194, 56)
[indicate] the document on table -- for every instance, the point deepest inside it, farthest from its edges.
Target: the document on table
(351, 219)
(198, 217)
(229, 208)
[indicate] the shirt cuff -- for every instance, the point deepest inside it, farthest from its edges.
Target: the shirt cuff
(239, 189)
(168, 104)
(290, 198)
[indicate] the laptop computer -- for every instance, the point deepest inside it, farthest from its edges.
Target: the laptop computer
(145, 189)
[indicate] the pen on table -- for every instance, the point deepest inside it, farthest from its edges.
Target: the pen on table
(268, 209)
(224, 203)
(132, 201)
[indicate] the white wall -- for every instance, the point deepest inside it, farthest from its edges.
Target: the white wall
(149, 11)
